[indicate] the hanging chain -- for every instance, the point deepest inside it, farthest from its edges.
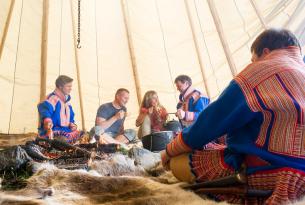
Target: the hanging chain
(78, 26)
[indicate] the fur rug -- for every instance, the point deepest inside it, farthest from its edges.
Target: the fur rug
(50, 185)
(116, 181)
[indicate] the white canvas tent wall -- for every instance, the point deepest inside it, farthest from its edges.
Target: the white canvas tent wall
(136, 44)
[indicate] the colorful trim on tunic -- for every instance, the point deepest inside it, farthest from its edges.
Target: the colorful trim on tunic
(269, 87)
(58, 97)
(58, 110)
(69, 136)
(192, 102)
(177, 146)
(288, 184)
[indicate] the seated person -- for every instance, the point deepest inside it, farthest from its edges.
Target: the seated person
(191, 101)
(262, 112)
(110, 117)
(152, 116)
(56, 114)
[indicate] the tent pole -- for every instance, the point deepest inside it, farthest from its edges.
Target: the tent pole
(77, 69)
(259, 14)
(199, 57)
(222, 37)
(44, 50)
(132, 54)
(295, 14)
(5, 30)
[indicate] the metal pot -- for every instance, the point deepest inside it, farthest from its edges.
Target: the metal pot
(157, 141)
(173, 125)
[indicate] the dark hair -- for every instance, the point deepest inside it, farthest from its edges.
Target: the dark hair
(120, 90)
(274, 39)
(62, 80)
(183, 79)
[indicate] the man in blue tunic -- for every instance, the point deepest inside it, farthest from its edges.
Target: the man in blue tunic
(262, 111)
(56, 114)
(191, 101)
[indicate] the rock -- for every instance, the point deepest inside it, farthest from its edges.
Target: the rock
(144, 157)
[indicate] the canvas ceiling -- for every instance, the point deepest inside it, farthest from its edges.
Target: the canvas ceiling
(140, 45)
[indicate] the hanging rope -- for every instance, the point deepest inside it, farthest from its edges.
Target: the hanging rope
(244, 23)
(165, 50)
(78, 25)
(206, 46)
(16, 59)
(60, 36)
(97, 59)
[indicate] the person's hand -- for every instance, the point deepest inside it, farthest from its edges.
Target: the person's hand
(73, 126)
(49, 134)
(150, 110)
(180, 114)
(165, 160)
(47, 125)
(102, 140)
(120, 115)
(143, 110)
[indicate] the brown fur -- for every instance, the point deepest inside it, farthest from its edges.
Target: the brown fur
(15, 139)
(127, 185)
(79, 187)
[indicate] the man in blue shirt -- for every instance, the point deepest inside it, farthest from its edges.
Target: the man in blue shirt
(110, 117)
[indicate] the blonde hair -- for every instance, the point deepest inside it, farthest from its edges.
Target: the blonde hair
(146, 101)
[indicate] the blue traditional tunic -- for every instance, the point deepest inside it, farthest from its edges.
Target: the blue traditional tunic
(58, 110)
(192, 102)
(262, 112)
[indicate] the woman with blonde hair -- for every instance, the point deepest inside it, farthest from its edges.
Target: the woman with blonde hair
(152, 115)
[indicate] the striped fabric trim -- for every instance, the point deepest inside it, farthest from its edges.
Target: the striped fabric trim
(288, 184)
(177, 146)
(189, 116)
(269, 87)
(60, 95)
(191, 93)
(196, 95)
(53, 100)
(296, 94)
(185, 105)
(70, 137)
(64, 114)
(209, 164)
